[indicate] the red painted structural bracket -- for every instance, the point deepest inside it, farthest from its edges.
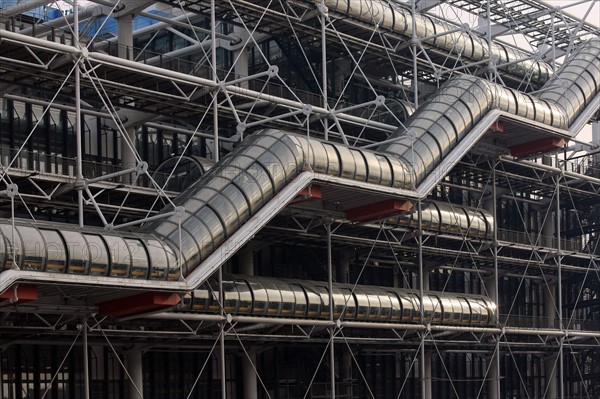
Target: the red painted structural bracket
(310, 193)
(496, 128)
(536, 147)
(136, 304)
(378, 210)
(18, 294)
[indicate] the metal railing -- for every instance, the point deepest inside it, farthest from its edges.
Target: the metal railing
(524, 321)
(54, 164)
(538, 240)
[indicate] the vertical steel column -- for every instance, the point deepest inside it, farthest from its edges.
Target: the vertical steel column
(222, 340)
(332, 329)
(125, 51)
(213, 34)
(324, 65)
(495, 394)
(414, 46)
(422, 361)
(246, 263)
(559, 264)
(86, 372)
(135, 368)
(79, 173)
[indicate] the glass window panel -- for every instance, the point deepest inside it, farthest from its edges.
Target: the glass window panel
(213, 223)
(457, 310)
(416, 306)
(158, 259)
(33, 248)
(227, 212)
(324, 294)
(56, 252)
(374, 304)
(245, 305)
(475, 311)
(200, 300)
(362, 304)
(79, 256)
(13, 245)
(174, 266)
(98, 255)
(300, 299)
(427, 308)
(231, 295)
(120, 258)
(338, 302)
(466, 311)
(484, 312)
(260, 298)
(274, 297)
(241, 204)
(437, 309)
(396, 313)
(386, 306)
(446, 309)
(2, 251)
(407, 307)
(213, 295)
(314, 302)
(288, 299)
(349, 303)
(139, 258)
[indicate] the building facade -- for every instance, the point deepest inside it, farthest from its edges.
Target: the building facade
(293, 199)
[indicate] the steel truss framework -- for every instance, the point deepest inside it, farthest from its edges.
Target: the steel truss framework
(89, 114)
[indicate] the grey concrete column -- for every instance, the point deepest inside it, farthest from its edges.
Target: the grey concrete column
(550, 303)
(135, 370)
(342, 74)
(125, 35)
(345, 364)
(240, 55)
(343, 271)
(550, 363)
(493, 375)
(246, 266)
(428, 392)
(596, 133)
(128, 159)
(547, 214)
(249, 375)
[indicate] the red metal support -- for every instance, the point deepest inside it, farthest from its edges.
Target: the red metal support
(536, 147)
(18, 294)
(310, 193)
(496, 128)
(378, 210)
(136, 304)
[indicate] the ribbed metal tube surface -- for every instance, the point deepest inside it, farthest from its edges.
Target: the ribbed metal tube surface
(226, 196)
(576, 83)
(442, 122)
(259, 296)
(399, 19)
